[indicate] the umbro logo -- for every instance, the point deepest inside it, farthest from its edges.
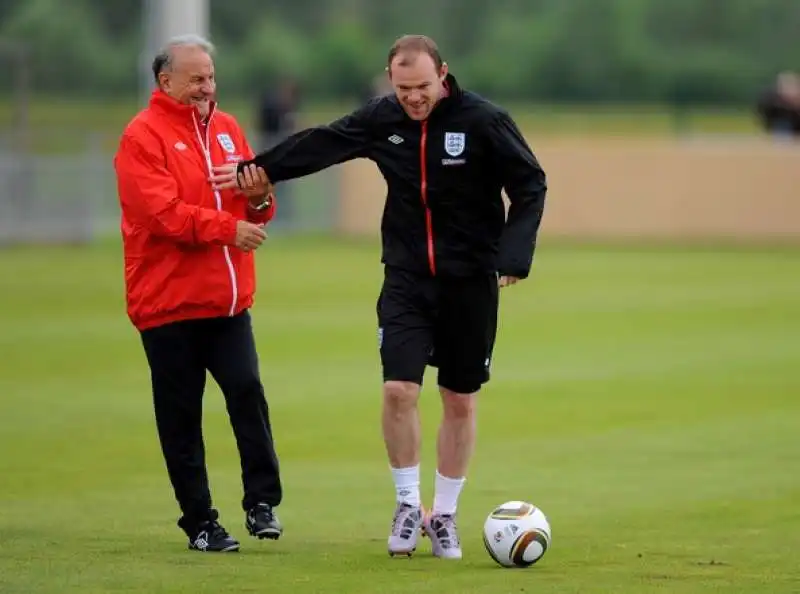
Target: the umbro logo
(395, 139)
(180, 146)
(201, 542)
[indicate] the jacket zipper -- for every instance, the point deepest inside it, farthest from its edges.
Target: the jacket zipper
(423, 142)
(226, 252)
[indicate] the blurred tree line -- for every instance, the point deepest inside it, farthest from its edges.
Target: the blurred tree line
(690, 51)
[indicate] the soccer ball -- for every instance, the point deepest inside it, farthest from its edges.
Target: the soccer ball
(516, 534)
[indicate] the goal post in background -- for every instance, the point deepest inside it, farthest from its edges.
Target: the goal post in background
(163, 19)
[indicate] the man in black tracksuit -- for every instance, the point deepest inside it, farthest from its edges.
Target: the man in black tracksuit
(446, 154)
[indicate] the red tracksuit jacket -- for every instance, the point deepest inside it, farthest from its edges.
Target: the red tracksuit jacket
(178, 233)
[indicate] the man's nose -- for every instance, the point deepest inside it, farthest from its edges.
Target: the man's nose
(414, 96)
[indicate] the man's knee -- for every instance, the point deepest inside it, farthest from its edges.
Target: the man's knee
(400, 396)
(458, 405)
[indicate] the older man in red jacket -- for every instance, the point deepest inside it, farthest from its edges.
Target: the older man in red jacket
(190, 280)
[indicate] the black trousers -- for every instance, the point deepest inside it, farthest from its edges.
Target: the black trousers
(179, 354)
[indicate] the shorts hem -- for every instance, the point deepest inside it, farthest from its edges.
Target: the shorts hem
(399, 377)
(462, 386)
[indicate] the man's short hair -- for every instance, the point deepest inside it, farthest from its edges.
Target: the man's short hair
(409, 45)
(163, 60)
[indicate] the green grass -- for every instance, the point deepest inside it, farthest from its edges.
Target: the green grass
(62, 123)
(645, 397)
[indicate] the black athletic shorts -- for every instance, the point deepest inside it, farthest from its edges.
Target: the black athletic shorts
(445, 322)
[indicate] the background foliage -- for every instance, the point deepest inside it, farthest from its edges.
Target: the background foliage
(690, 51)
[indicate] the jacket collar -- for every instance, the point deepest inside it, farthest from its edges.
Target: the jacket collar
(165, 104)
(453, 96)
(454, 90)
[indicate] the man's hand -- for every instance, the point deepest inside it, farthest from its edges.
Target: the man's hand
(253, 181)
(506, 281)
(249, 236)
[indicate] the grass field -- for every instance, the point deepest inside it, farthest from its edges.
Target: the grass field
(645, 398)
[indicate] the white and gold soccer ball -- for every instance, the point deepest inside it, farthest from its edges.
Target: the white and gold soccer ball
(516, 534)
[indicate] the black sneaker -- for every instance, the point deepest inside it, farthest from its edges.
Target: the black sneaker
(262, 522)
(211, 537)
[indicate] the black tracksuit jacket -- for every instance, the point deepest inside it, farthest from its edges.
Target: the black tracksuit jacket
(444, 214)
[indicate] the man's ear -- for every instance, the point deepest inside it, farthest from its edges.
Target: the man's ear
(163, 80)
(443, 71)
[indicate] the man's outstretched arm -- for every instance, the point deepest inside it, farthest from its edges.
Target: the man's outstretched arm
(315, 149)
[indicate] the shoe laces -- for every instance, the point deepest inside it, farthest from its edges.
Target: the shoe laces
(405, 520)
(214, 530)
(444, 527)
(263, 509)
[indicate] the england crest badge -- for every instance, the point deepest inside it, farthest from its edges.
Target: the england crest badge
(226, 142)
(454, 143)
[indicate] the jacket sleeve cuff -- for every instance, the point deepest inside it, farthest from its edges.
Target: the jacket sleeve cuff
(229, 231)
(510, 267)
(270, 170)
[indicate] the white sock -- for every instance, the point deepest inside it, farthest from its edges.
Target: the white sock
(445, 499)
(406, 485)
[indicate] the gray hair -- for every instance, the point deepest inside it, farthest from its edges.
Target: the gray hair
(163, 60)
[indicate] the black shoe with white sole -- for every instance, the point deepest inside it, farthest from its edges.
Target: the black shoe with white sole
(211, 537)
(262, 522)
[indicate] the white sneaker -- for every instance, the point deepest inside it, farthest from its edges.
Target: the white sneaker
(405, 530)
(442, 530)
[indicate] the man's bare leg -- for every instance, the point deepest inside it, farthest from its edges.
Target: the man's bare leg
(455, 445)
(456, 440)
(402, 437)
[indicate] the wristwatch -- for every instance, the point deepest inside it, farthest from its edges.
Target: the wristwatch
(263, 205)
